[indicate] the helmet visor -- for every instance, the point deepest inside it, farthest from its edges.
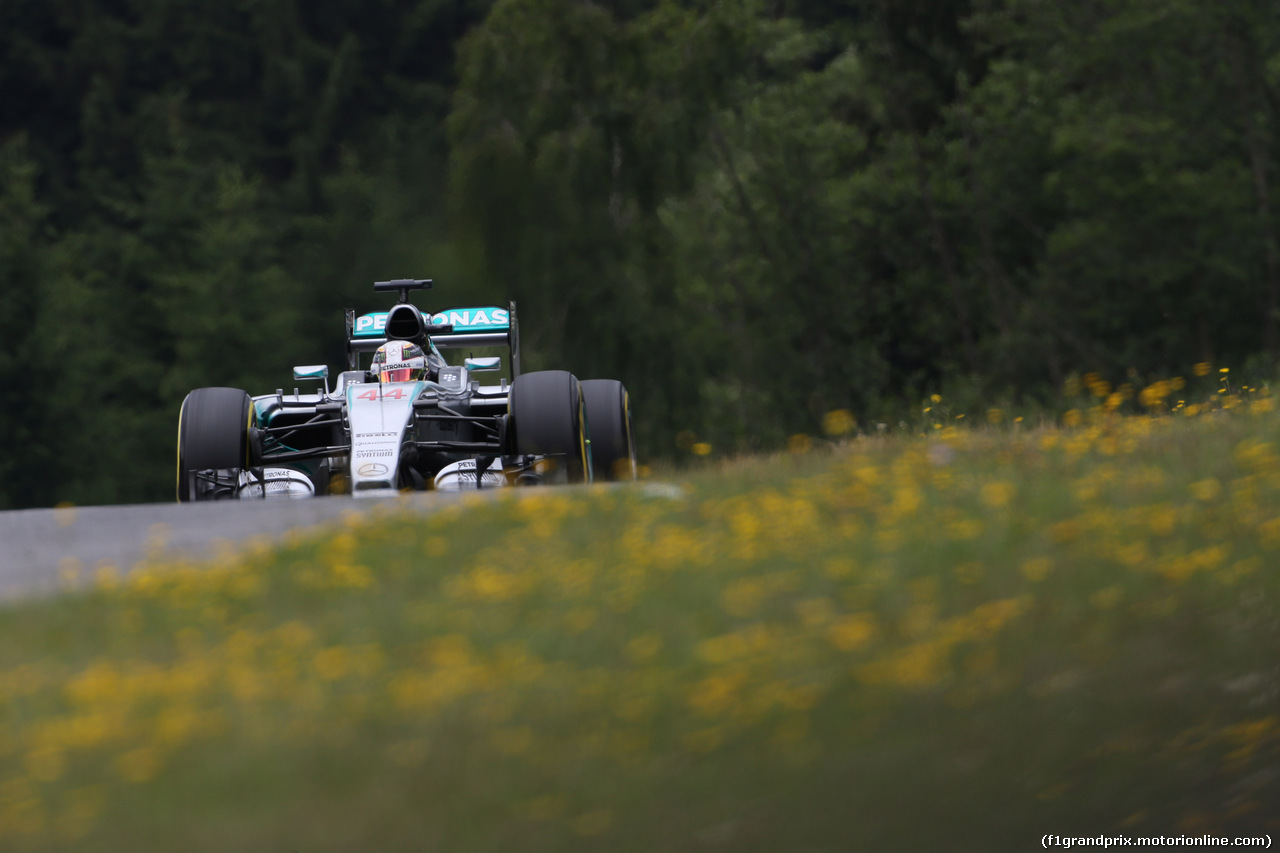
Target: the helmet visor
(400, 373)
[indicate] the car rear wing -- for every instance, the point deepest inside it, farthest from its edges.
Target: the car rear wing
(456, 328)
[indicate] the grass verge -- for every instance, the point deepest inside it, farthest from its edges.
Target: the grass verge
(895, 643)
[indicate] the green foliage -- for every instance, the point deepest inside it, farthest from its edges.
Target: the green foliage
(752, 214)
(880, 199)
(209, 189)
(22, 220)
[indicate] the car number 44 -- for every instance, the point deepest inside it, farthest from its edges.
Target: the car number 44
(389, 394)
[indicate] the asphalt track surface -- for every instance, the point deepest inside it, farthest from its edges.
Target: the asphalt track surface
(45, 550)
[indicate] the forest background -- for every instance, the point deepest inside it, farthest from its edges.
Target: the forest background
(752, 213)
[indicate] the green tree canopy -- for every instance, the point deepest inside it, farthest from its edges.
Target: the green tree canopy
(750, 213)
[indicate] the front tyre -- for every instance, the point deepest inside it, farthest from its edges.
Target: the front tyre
(548, 418)
(613, 447)
(213, 443)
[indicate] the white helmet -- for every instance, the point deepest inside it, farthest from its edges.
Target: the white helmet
(399, 361)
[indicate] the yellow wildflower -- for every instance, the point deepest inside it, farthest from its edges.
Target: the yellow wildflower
(851, 632)
(1036, 568)
(838, 423)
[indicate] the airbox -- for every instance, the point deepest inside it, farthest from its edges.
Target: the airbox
(405, 323)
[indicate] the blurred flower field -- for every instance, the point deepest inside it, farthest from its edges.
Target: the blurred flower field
(987, 632)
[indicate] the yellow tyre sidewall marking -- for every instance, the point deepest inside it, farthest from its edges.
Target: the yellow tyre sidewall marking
(182, 411)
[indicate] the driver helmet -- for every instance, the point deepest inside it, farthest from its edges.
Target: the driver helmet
(399, 361)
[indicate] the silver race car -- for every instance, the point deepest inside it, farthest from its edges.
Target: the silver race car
(429, 425)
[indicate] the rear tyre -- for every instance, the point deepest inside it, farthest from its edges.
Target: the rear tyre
(613, 447)
(547, 417)
(213, 443)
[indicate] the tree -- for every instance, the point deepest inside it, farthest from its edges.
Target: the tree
(206, 188)
(25, 469)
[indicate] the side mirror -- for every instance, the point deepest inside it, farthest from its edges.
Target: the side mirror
(318, 372)
(311, 371)
(480, 365)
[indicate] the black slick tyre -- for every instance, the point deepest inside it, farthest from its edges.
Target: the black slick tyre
(213, 442)
(613, 448)
(547, 417)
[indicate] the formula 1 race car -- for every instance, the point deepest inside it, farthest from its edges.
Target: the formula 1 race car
(445, 430)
